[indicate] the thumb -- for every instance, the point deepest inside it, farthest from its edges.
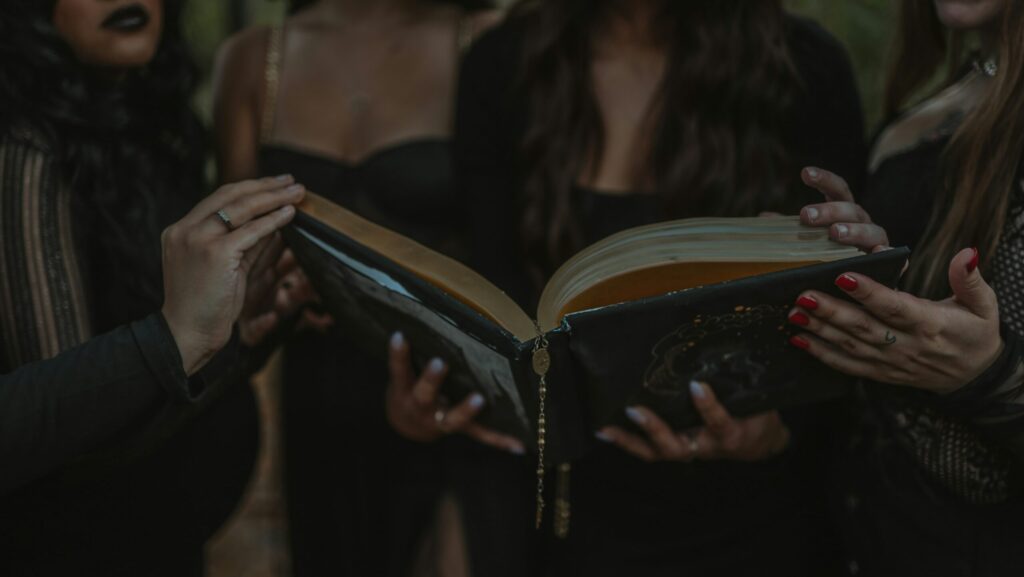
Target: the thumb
(969, 288)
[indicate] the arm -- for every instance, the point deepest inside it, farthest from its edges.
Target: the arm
(238, 87)
(63, 402)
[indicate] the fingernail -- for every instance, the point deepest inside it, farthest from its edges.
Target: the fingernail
(812, 214)
(808, 303)
(294, 188)
(436, 365)
(287, 209)
(517, 450)
(283, 178)
(813, 173)
(972, 265)
(799, 319)
(636, 416)
(842, 231)
(397, 340)
(846, 282)
(603, 436)
(697, 390)
(799, 342)
(476, 400)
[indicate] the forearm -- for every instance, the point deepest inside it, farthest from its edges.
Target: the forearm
(56, 411)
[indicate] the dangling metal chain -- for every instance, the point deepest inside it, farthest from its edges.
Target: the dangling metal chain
(541, 364)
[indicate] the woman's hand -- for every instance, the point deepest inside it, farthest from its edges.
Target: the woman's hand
(754, 438)
(277, 293)
(847, 222)
(416, 411)
(208, 262)
(893, 337)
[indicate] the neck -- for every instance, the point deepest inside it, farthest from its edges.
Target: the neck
(631, 21)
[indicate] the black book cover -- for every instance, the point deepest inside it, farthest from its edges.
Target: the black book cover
(732, 335)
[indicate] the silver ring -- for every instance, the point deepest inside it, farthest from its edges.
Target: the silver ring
(889, 339)
(439, 416)
(694, 445)
(223, 216)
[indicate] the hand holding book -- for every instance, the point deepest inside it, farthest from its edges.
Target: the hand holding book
(894, 337)
(847, 222)
(416, 410)
(722, 436)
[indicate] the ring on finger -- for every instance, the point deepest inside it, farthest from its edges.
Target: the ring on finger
(439, 417)
(694, 444)
(223, 216)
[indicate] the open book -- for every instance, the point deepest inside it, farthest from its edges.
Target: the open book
(630, 320)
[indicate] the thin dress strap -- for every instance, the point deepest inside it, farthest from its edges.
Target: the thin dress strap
(272, 77)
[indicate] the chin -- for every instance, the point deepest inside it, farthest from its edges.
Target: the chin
(969, 14)
(122, 53)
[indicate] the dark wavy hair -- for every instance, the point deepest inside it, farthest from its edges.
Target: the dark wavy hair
(468, 5)
(716, 126)
(121, 140)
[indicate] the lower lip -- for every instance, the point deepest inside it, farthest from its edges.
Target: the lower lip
(128, 25)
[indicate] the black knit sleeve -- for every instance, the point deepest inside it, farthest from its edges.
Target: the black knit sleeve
(66, 393)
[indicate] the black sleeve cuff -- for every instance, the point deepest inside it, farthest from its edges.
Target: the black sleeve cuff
(160, 352)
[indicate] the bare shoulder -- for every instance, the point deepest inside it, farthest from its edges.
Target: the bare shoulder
(241, 59)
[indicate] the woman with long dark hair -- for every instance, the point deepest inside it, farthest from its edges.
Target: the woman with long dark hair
(578, 119)
(356, 98)
(126, 430)
(931, 482)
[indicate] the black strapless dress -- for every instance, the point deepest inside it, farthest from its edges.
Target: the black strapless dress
(359, 496)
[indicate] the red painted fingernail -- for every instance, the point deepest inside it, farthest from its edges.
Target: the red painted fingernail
(808, 303)
(799, 342)
(973, 264)
(799, 319)
(846, 282)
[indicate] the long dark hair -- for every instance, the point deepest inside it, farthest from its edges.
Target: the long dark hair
(120, 141)
(467, 5)
(716, 124)
(981, 164)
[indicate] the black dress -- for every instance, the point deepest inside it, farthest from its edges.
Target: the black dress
(359, 496)
(629, 518)
(113, 461)
(931, 485)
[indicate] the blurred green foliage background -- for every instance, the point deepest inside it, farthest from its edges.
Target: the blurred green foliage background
(863, 26)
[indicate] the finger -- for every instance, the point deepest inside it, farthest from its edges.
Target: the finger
(258, 328)
(835, 320)
(249, 207)
(399, 362)
(827, 213)
(287, 263)
(705, 445)
(463, 414)
(317, 321)
(866, 344)
(628, 442)
(494, 439)
(831, 185)
(717, 420)
(263, 256)
(225, 195)
(428, 387)
(893, 308)
(845, 363)
(863, 236)
(249, 235)
(969, 287)
(662, 437)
